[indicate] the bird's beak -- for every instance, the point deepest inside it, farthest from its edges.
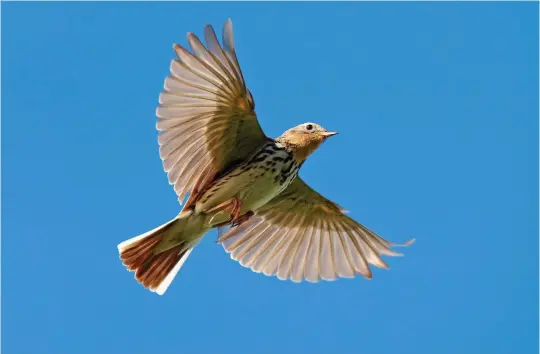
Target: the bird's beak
(328, 134)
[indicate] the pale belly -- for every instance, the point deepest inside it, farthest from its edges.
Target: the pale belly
(254, 187)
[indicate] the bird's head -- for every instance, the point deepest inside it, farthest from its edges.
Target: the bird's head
(303, 139)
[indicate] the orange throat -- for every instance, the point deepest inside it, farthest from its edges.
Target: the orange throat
(302, 147)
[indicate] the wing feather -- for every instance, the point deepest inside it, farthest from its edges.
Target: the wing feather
(298, 259)
(343, 253)
(260, 256)
(246, 245)
(312, 270)
(326, 260)
(300, 235)
(206, 114)
(274, 258)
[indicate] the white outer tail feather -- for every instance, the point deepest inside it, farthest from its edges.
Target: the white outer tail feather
(166, 282)
(164, 285)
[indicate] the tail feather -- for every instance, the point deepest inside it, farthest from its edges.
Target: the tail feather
(157, 273)
(168, 277)
(154, 270)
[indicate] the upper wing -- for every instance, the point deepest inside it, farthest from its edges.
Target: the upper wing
(302, 235)
(206, 116)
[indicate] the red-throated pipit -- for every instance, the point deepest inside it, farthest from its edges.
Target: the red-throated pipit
(242, 182)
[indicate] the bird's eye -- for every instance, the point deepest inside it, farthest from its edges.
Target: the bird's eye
(309, 127)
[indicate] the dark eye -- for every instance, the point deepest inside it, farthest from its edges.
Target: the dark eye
(309, 127)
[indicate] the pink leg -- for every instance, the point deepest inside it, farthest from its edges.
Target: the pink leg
(232, 206)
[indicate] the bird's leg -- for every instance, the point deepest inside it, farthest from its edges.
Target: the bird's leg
(235, 210)
(232, 205)
(238, 221)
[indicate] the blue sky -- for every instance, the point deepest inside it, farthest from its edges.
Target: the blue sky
(437, 105)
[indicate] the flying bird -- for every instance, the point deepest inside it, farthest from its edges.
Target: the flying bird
(242, 182)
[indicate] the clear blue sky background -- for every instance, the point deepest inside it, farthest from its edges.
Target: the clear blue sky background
(438, 109)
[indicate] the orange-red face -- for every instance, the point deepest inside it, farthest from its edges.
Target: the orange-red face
(306, 138)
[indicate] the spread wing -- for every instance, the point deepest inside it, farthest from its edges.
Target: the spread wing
(206, 115)
(302, 235)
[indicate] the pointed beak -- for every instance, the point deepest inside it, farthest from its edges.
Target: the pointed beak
(328, 134)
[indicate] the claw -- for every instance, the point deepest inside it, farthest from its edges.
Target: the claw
(240, 220)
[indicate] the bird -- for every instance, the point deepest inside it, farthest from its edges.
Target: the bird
(235, 178)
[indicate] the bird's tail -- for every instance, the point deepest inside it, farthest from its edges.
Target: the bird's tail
(157, 255)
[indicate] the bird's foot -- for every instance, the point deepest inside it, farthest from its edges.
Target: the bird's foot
(241, 219)
(228, 233)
